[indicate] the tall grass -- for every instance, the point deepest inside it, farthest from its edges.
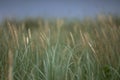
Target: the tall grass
(60, 50)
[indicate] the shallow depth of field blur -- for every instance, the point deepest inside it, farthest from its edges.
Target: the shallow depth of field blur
(60, 49)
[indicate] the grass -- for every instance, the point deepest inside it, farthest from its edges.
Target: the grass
(60, 49)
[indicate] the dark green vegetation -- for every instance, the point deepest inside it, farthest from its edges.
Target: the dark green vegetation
(60, 49)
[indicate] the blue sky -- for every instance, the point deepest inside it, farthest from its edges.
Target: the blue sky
(57, 8)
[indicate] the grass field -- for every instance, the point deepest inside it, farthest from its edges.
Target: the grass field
(60, 49)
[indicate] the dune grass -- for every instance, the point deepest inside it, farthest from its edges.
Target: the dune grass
(60, 49)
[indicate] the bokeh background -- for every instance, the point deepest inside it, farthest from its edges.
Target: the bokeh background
(57, 8)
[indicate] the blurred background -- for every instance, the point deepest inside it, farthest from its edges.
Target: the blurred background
(57, 8)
